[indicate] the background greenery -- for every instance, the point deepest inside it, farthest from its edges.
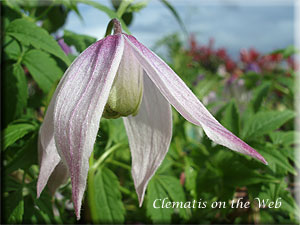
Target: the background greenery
(253, 97)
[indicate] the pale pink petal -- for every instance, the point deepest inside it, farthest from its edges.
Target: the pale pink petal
(59, 176)
(185, 102)
(79, 106)
(47, 152)
(49, 159)
(149, 134)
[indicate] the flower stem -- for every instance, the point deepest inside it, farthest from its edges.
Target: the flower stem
(91, 190)
(123, 6)
(117, 27)
(105, 155)
(91, 174)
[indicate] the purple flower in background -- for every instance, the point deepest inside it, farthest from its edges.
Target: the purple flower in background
(118, 76)
(64, 46)
(253, 67)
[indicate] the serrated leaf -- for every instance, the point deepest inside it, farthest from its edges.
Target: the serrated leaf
(283, 137)
(14, 207)
(259, 95)
(81, 42)
(155, 195)
(28, 33)
(264, 122)
(275, 156)
(16, 131)
(15, 93)
(42, 68)
(174, 190)
(108, 197)
(231, 118)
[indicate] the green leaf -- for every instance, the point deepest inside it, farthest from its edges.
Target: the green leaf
(174, 190)
(14, 207)
(264, 122)
(231, 118)
(43, 68)
(108, 197)
(259, 95)
(28, 33)
(155, 195)
(15, 92)
(12, 48)
(44, 203)
(111, 14)
(283, 137)
(25, 157)
(275, 156)
(16, 131)
(56, 18)
(81, 42)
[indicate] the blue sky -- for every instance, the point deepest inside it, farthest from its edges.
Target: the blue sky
(234, 24)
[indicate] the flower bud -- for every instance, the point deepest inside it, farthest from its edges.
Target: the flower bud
(126, 93)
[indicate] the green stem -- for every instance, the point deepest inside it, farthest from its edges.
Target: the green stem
(109, 28)
(91, 190)
(91, 174)
(122, 8)
(120, 164)
(21, 56)
(105, 155)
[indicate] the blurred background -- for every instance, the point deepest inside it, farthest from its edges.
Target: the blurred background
(265, 25)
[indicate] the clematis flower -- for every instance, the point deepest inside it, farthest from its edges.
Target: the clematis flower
(119, 77)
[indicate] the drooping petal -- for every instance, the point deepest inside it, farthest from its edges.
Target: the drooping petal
(185, 102)
(149, 134)
(48, 159)
(47, 152)
(59, 176)
(79, 106)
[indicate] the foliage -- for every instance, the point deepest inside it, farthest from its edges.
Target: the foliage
(252, 97)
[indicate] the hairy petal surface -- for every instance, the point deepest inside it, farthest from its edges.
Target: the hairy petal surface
(47, 152)
(149, 134)
(185, 102)
(59, 176)
(79, 106)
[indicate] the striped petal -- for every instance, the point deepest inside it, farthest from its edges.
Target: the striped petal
(149, 134)
(79, 106)
(185, 102)
(47, 152)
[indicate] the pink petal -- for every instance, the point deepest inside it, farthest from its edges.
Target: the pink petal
(59, 176)
(185, 102)
(149, 134)
(48, 155)
(79, 106)
(49, 159)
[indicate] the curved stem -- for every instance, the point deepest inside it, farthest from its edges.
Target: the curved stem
(117, 27)
(105, 155)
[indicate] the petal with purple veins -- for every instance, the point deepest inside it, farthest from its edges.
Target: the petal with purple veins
(149, 134)
(185, 102)
(79, 106)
